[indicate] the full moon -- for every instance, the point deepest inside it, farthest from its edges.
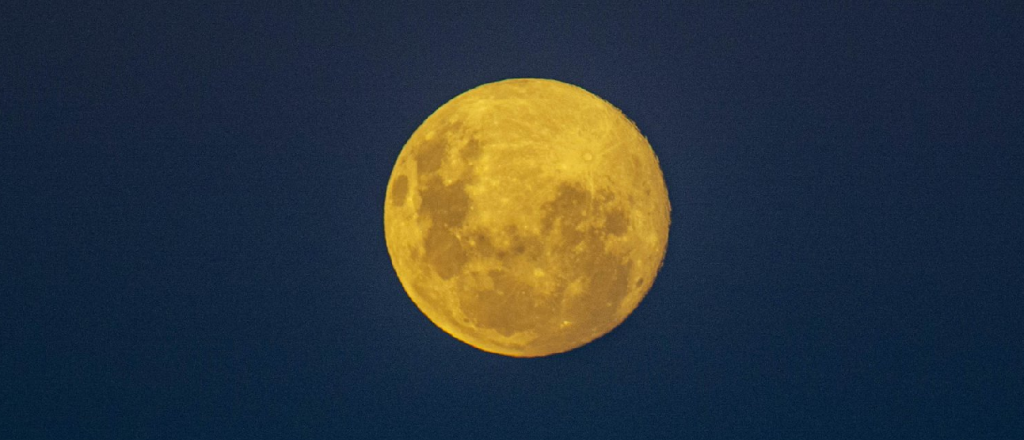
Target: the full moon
(526, 217)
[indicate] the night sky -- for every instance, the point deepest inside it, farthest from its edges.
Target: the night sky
(192, 243)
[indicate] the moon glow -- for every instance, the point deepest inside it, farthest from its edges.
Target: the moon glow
(526, 217)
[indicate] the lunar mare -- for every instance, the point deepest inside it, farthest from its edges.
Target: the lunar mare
(526, 217)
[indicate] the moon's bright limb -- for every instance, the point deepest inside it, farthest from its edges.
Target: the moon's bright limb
(527, 217)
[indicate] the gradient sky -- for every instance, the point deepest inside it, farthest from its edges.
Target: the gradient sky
(191, 220)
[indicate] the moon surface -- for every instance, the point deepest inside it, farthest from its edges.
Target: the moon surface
(527, 217)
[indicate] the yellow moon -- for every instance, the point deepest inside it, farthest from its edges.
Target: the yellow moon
(527, 217)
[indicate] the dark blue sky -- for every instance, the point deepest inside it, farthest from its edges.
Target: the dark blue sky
(192, 246)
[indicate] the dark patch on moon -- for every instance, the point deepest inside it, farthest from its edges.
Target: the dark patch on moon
(615, 222)
(480, 242)
(444, 252)
(471, 151)
(399, 190)
(606, 274)
(511, 307)
(521, 246)
(431, 155)
(568, 209)
(446, 206)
